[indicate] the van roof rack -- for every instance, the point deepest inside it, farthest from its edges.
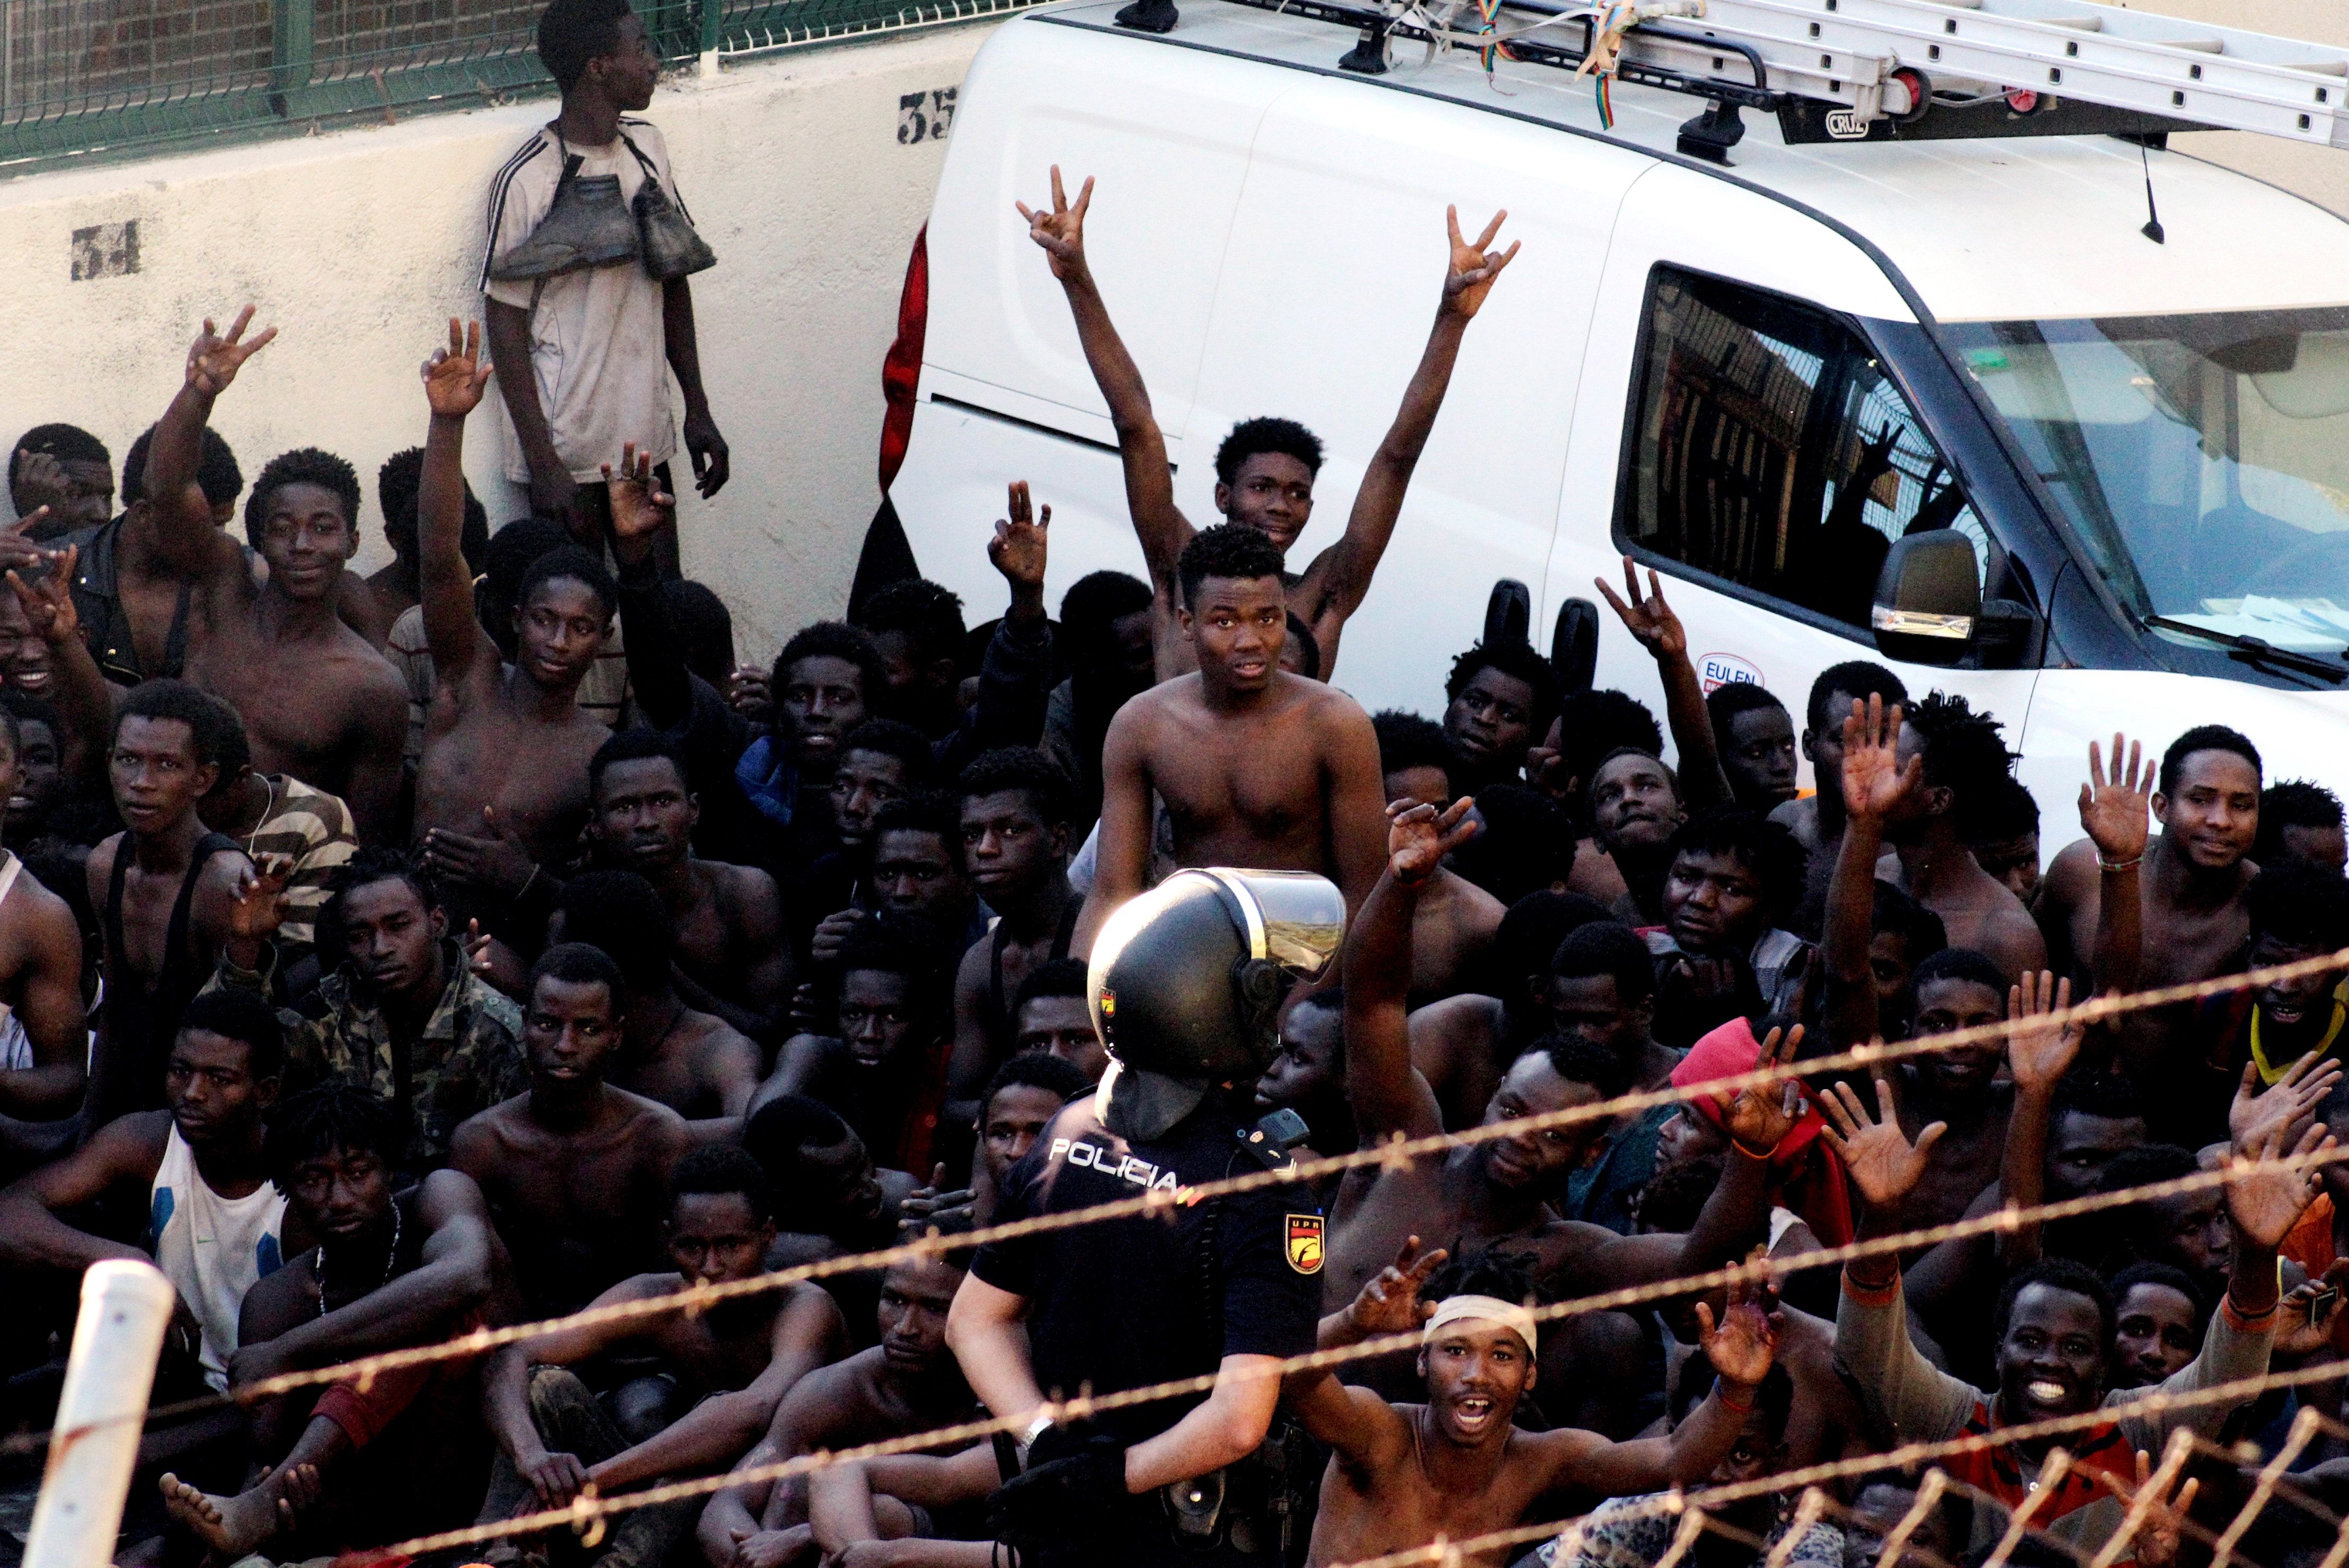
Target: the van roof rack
(1884, 70)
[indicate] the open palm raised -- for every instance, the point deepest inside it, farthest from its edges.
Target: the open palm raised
(1876, 1154)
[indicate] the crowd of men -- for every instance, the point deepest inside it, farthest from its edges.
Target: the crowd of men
(477, 941)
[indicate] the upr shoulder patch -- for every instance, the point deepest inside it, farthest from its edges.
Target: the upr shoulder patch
(1305, 1243)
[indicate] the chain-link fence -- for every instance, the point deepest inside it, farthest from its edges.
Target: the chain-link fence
(83, 77)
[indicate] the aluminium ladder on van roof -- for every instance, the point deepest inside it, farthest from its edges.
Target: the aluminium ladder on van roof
(1894, 70)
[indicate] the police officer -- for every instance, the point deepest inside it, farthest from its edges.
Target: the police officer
(1186, 981)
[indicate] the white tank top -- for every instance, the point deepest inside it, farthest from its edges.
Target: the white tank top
(212, 1249)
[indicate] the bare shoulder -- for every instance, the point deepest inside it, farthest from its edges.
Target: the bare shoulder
(742, 891)
(446, 1194)
(2070, 874)
(1327, 708)
(485, 1138)
(651, 1124)
(1466, 1015)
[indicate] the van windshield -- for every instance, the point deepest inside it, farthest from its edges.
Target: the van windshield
(2204, 460)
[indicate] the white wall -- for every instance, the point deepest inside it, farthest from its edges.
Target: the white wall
(358, 245)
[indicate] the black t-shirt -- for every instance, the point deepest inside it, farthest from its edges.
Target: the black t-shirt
(1123, 1302)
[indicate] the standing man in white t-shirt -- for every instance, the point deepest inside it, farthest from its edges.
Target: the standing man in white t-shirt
(583, 353)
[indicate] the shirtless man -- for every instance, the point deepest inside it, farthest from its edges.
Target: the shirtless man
(1635, 809)
(692, 1062)
(1817, 818)
(165, 888)
(732, 1362)
(502, 788)
(1266, 469)
(1498, 1189)
(1016, 808)
(353, 1464)
(2131, 914)
(576, 1170)
(42, 1025)
(1497, 701)
(732, 960)
(1456, 920)
(319, 702)
(1256, 766)
(1924, 789)
(1402, 1477)
(907, 1383)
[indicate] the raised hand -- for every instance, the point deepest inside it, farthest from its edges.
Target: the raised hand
(1876, 1154)
(1061, 231)
(1419, 837)
(1744, 1343)
(1017, 549)
(747, 692)
(1470, 277)
(1874, 781)
(1758, 1116)
(214, 360)
(455, 376)
(2266, 1198)
(2113, 812)
(257, 905)
(2291, 1102)
(40, 480)
(2037, 1054)
(1389, 1302)
(2163, 1526)
(1650, 620)
(640, 507)
(47, 597)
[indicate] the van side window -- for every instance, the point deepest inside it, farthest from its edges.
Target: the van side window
(1769, 449)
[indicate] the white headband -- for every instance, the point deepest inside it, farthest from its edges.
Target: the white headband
(1489, 1309)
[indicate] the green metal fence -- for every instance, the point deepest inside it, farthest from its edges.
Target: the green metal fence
(116, 77)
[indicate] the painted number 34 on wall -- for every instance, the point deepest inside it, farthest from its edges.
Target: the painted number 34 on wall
(925, 116)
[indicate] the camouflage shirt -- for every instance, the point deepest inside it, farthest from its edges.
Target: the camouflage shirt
(469, 1058)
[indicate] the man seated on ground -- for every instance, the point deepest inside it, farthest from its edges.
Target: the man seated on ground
(1756, 739)
(731, 956)
(1497, 701)
(1501, 1189)
(830, 1200)
(690, 1061)
(576, 1168)
(319, 702)
(134, 613)
(2159, 1321)
(1733, 877)
(502, 788)
(216, 1225)
(1635, 809)
(885, 1068)
(359, 1464)
(1018, 1103)
(1053, 1013)
(282, 822)
(2054, 1332)
(880, 762)
(1266, 468)
(1601, 990)
(2006, 840)
(1255, 766)
(723, 1368)
(2300, 818)
(2133, 915)
(1463, 1044)
(907, 1383)
(1402, 1477)
(1816, 819)
(1015, 846)
(66, 469)
(165, 888)
(43, 1033)
(918, 870)
(917, 625)
(401, 1013)
(2297, 910)
(1456, 920)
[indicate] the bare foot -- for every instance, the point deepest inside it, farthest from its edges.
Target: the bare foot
(232, 1526)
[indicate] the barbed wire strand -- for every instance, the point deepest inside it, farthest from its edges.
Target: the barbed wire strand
(1395, 1154)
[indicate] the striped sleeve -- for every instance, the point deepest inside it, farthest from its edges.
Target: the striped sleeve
(315, 831)
(512, 213)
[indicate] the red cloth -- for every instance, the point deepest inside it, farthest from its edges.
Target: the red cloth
(1805, 1174)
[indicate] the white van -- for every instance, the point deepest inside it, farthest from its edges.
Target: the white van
(1756, 378)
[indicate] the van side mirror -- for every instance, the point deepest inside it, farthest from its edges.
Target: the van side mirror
(1928, 598)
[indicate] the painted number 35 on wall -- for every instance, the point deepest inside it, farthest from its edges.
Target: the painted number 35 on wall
(925, 116)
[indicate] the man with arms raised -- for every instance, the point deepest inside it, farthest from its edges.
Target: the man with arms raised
(1258, 767)
(1817, 818)
(319, 702)
(1266, 468)
(576, 1170)
(1403, 1477)
(502, 788)
(731, 958)
(732, 1362)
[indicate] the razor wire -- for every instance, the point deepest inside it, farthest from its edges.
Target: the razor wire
(1395, 1154)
